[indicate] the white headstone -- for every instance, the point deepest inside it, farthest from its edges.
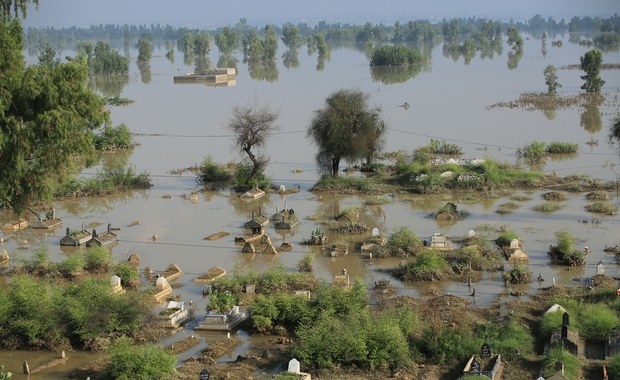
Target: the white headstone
(514, 244)
(471, 233)
(235, 310)
(293, 366)
(600, 268)
(162, 283)
(115, 281)
(375, 231)
(282, 188)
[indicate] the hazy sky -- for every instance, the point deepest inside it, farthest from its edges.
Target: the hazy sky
(211, 14)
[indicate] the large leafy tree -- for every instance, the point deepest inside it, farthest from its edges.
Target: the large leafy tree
(346, 128)
(47, 115)
(591, 63)
(227, 40)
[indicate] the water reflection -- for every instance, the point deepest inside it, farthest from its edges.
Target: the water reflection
(227, 60)
(590, 117)
(266, 70)
(202, 64)
(145, 70)
(394, 75)
(290, 58)
(514, 56)
(108, 85)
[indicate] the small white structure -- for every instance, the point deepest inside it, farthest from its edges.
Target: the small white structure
(375, 232)
(115, 282)
(471, 233)
(162, 289)
(555, 308)
(600, 268)
(175, 314)
(293, 366)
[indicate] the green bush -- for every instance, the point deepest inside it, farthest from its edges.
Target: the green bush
(427, 266)
(131, 362)
(97, 259)
(210, 171)
(245, 179)
(533, 153)
(403, 242)
(72, 265)
(221, 301)
(507, 207)
(444, 345)
(442, 147)
(561, 147)
(596, 321)
(118, 137)
(129, 274)
(601, 207)
(396, 55)
(505, 238)
(614, 366)
(564, 252)
(555, 196)
(547, 207)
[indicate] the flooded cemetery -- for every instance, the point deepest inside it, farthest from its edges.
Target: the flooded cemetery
(183, 236)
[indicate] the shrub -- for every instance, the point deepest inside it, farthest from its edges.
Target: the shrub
(507, 208)
(128, 361)
(72, 265)
(396, 55)
(97, 259)
(305, 264)
(403, 243)
(428, 266)
(555, 196)
(210, 171)
(596, 321)
(442, 147)
(221, 301)
(564, 252)
(561, 147)
(118, 137)
(129, 274)
(245, 179)
(547, 207)
(532, 154)
(601, 207)
(505, 238)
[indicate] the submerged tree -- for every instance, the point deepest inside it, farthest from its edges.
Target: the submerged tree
(227, 40)
(47, 115)
(591, 63)
(551, 79)
(346, 129)
(252, 127)
(19, 6)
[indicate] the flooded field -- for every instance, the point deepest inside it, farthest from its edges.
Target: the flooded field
(179, 125)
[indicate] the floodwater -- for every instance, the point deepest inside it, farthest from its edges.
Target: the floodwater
(181, 124)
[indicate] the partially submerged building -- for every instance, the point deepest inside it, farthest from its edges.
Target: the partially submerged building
(438, 242)
(76, 238)
(104, 239)
(256, 225)
(284, 219)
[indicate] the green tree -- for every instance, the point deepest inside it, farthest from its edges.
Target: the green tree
(47, 115)
(346, 129)
(145, 49)
(270, 43)
(147, 362)
(252, 127)
(551, 79)
(514, 38)
(591, 63)
(290, 36)
(227, 40)
(19, 6)
(202, 44)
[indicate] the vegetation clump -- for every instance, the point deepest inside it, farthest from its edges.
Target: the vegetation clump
(427, 266)
(210, 171)
(507, 207)
(558, 147)
(118, 137)
(555, 196)
(564, 252)
(547, 207)
(597, 196)
(130, 361)
(601, 207)
(104, 183)
(518, 275)
(396, 55)
(401, 242)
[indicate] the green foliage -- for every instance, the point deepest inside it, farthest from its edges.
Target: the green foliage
(290, 36)
(601, 207)
(305, 264)
(403, 242)
(97, 259)
(564, 252)
(210, 171)
(572, 365)
(245, 178)
(596, 321)
(614, 366)
(346, 129)
(396, 55)
(119, 137)
(547, 207)
(128, 361)
(71, 266)
(129, 274)
(108, 181)
(444, 345)
(533, 153)
(222, 301)
(507, 207)
(551, 79)
(227, 40)
(40, 107)
(561, 147)
(106, 61)
(427, 266)
(505, 238)
(442, 147)
(591, 63)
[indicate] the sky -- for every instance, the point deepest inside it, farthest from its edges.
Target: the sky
(212, 14)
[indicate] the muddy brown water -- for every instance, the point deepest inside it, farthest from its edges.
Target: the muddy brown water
(448, 102)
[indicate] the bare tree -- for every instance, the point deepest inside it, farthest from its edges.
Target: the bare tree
(252, 127)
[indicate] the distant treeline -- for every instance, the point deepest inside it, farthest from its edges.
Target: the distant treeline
(338, 33)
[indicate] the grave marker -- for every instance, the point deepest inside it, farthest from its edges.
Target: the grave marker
(485, 351)
(293, 366)
(565, 319)
(600, 268)
(475, 366)
(204, 375)
(375, 232)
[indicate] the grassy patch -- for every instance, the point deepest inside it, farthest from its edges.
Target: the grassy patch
(507, 208)
(547, 207)
(601, 207)
(597, 196)
(555, 196)
(571, 363)
(561, 147)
